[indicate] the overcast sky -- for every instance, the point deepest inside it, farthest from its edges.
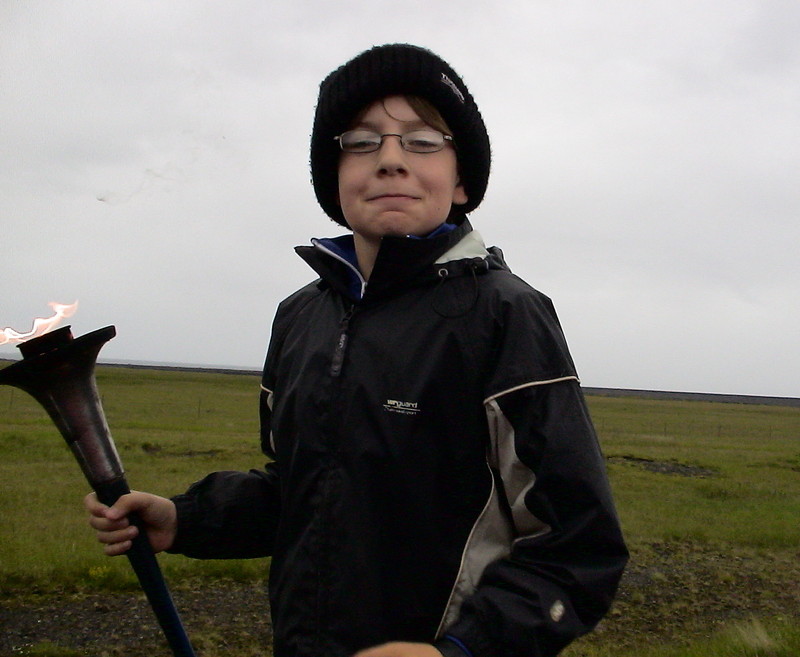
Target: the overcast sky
(646, 171)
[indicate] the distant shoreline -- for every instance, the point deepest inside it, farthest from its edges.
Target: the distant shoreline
(724, 398)
(718, 397)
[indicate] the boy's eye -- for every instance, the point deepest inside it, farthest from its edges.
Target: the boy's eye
(422, 140)
(360, 140)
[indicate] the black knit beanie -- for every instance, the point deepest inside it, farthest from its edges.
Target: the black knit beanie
(396, 69)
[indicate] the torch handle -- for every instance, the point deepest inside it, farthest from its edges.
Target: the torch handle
(145, 565)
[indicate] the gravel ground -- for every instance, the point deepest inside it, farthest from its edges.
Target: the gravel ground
(223, 616)
(670, 591)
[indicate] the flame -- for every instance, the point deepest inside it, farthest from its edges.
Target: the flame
(41, 325)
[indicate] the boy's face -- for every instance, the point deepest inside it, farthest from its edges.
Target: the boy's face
(392, 191)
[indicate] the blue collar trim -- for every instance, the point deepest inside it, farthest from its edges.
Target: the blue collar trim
(343, 248)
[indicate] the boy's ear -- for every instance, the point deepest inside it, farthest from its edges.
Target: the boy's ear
(459, 194)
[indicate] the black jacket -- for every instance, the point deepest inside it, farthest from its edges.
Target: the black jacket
(436, 476)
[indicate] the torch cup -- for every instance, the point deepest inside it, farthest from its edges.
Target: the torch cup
(58, 371)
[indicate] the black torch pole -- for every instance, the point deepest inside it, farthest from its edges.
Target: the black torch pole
(58, 371)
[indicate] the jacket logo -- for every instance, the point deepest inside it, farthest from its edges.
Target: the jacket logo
(402, 407)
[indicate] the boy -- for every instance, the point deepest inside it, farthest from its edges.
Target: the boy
(436, 486)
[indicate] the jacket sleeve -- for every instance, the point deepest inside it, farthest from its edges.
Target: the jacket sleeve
(567, 552)
(228, 515)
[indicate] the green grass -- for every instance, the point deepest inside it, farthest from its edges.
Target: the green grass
(170, 429)
(747, 459)
(708, 494)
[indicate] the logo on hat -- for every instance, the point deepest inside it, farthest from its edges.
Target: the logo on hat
(453, 86)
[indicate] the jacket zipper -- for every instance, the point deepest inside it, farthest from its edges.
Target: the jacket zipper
(341, 343)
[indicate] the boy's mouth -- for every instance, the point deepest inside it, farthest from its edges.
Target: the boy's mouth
(392, 196)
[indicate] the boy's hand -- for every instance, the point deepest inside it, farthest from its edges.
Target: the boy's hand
(398, 649)
(157, 514)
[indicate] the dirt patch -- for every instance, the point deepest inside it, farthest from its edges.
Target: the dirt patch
(674, 592)
(220, 617)
(664, 467)
(155, 449)
(671, 591)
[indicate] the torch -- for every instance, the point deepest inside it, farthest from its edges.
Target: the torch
(58, 371)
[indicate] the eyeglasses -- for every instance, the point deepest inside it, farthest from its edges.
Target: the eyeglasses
(369, 141)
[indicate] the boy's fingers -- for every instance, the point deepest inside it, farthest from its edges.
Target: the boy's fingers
(130, 502)
(117, 549)
(103, 524)
(118, 536)
(93, 505)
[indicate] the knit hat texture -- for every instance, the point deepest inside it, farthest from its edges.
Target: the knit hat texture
(396, 69)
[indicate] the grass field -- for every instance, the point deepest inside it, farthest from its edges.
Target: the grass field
(708, 493)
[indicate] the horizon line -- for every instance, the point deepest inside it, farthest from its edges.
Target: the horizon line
(601, 391)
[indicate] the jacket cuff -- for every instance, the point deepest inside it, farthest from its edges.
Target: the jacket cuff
(185, 509)
(451, 646)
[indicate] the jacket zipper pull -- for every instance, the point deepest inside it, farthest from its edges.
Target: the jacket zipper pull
(341, 344)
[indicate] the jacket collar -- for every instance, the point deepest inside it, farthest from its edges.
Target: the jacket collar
(401, 262)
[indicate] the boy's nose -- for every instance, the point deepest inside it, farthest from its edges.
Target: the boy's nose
(391, 155)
